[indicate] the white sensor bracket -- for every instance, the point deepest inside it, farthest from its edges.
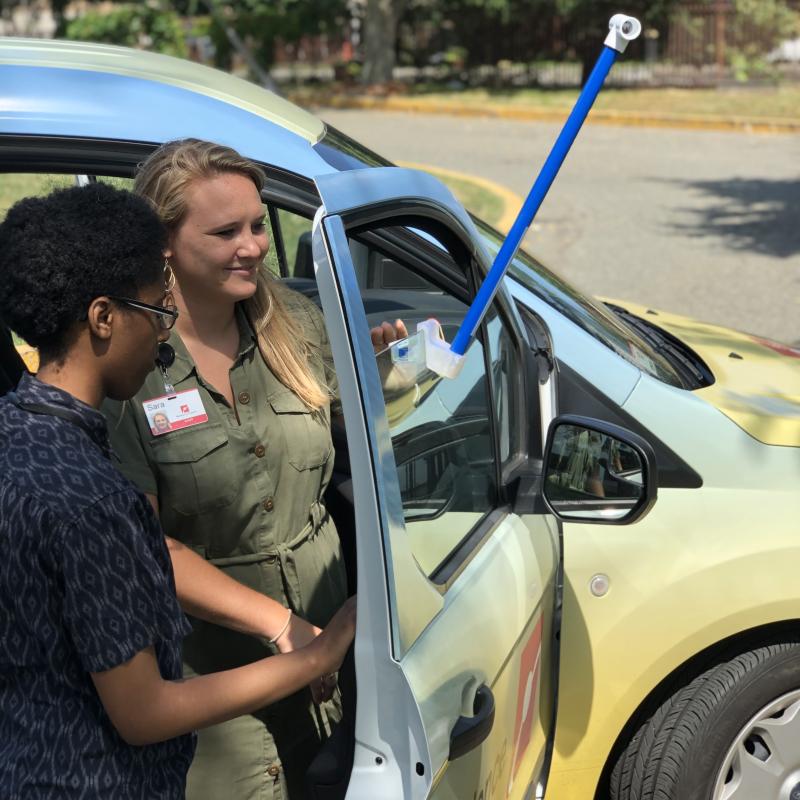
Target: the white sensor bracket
(621, 30)
(427, 347)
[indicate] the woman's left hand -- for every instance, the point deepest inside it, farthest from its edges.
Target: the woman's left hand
(386, 333)
(322, 688)
(299, 634)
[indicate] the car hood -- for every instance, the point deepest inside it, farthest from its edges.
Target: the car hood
(756, 380)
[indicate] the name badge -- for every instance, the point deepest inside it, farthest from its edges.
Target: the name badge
(173, 412)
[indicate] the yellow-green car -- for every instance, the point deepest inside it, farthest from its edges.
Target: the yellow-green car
(515, 637)
(680, 668)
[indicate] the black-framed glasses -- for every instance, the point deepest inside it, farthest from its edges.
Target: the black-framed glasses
(167, 314)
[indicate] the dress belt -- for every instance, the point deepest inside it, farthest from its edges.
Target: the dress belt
(317, 514)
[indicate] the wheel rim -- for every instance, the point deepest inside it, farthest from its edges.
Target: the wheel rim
(764, 760)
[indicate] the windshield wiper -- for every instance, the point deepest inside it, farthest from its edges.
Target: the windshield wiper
(692, 369)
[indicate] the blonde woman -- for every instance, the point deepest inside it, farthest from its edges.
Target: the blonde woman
(238, 479)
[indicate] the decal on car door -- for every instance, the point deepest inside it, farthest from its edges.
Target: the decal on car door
(527, 697)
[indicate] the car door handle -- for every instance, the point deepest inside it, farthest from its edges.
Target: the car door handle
(469, 732)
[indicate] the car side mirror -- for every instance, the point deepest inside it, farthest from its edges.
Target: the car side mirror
(598, 472)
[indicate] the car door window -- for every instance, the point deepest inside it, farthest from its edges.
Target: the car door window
(442, 430)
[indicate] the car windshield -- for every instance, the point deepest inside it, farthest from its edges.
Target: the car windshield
(345, 154)
(593, 317)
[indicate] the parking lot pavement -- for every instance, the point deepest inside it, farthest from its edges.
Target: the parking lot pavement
(702, 223)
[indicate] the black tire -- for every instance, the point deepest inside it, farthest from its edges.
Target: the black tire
(677, 753)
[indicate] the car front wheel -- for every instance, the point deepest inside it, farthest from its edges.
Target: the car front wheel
(733, 733)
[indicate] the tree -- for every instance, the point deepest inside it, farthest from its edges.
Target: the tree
(249, 27)
(528, 30)
(381, 18)
(260, 25)
(235, 41)
(758, 26)
(139, 25)
(587, 22)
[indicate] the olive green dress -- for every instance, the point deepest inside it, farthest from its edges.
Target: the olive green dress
(247, 495)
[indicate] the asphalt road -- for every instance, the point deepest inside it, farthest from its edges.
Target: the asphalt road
(705, 224)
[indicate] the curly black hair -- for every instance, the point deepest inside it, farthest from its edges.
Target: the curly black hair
(59, 252)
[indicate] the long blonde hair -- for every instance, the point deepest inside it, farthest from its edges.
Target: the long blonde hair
(163, 179)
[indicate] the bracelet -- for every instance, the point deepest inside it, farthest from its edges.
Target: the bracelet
(274, 639)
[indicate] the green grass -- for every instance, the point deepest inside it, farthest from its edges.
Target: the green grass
(481, 202)
(778, 102)
(781, 102)
(15, 186)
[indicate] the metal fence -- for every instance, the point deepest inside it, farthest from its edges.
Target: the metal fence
(706, 33)
(696, 47)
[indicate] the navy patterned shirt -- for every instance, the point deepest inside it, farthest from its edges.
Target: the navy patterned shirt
(85, 583)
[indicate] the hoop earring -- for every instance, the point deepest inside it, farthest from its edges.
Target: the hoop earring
(169, 275)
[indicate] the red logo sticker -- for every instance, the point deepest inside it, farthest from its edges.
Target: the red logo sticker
(527, 697)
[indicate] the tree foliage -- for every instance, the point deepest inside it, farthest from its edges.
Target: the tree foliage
(759, 26)
(587, 22)
(527, 30)
(261, 24)
(133, 25)
(463, 32)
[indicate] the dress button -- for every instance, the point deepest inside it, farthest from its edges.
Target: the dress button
(268, 504)
(244, 398)
(273, 770)
(259, 451)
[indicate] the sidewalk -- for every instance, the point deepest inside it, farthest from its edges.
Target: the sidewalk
(712, 122)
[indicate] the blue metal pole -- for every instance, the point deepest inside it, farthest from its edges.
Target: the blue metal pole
(534, 200)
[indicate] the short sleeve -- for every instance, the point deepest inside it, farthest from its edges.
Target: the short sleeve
(126, 443)
(119, 593)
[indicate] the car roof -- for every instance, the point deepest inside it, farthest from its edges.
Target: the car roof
(78, 89)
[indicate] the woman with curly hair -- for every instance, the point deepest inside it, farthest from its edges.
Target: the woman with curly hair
(92, 704)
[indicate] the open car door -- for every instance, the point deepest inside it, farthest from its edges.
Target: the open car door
(457, 584)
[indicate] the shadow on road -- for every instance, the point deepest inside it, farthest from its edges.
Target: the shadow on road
(755, 215)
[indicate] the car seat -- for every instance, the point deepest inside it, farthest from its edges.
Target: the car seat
(304, 259)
